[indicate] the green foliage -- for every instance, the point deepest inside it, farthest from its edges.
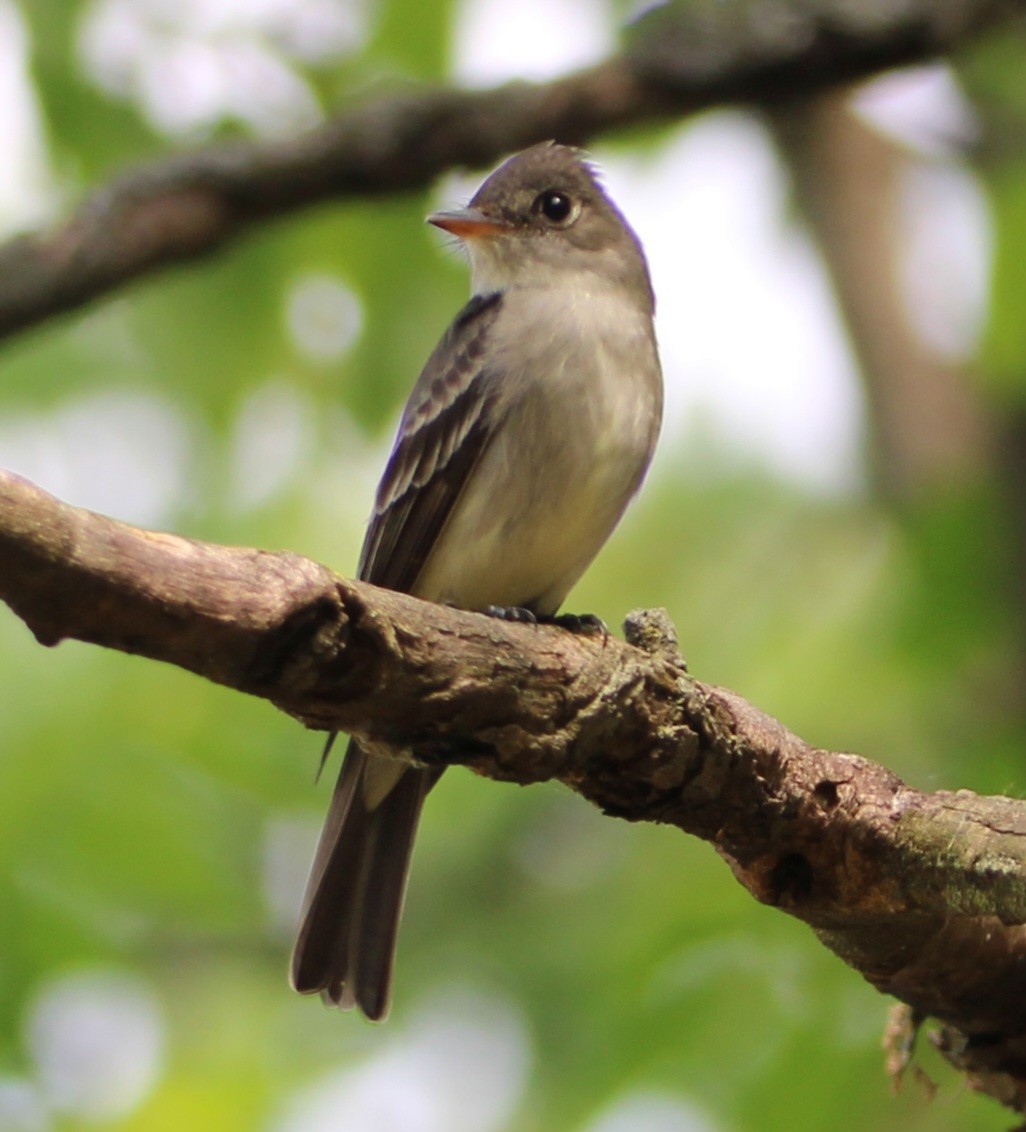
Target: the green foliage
(157, 826)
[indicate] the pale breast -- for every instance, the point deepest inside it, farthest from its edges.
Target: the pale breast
(579, 411)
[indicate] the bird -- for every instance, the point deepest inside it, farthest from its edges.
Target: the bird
(528, 432)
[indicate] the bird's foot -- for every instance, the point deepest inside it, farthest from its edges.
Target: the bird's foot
(512, 613)
(586, 624)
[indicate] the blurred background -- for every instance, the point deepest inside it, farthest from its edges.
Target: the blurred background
(835, 520)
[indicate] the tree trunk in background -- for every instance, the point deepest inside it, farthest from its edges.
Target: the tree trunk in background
(928, 427)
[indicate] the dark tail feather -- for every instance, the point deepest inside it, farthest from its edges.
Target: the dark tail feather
(346, 944)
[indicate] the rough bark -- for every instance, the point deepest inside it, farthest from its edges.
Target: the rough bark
(922, 893)
(683, 57)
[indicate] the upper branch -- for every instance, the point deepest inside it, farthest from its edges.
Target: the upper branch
(682, 58)
(922, 893)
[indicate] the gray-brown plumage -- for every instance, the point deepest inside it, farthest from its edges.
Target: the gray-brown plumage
(522, 442)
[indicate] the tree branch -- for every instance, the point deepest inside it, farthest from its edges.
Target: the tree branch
(682, 58)
(921, 893)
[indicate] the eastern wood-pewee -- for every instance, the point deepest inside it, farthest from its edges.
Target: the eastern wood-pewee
(528, 432)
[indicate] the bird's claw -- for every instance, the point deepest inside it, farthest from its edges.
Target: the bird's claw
(586, 624)
(515, 613)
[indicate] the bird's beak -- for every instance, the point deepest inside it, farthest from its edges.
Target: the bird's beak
(468, 223)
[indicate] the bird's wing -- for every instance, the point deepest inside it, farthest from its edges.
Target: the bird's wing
(444, 431)
(354, 897)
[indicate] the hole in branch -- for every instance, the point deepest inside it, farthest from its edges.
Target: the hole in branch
(826, 794)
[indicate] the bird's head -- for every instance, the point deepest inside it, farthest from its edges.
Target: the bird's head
(542, 219)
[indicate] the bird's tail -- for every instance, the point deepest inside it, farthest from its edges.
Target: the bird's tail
(354, 898)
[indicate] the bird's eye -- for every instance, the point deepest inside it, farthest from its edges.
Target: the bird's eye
(554, 206)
